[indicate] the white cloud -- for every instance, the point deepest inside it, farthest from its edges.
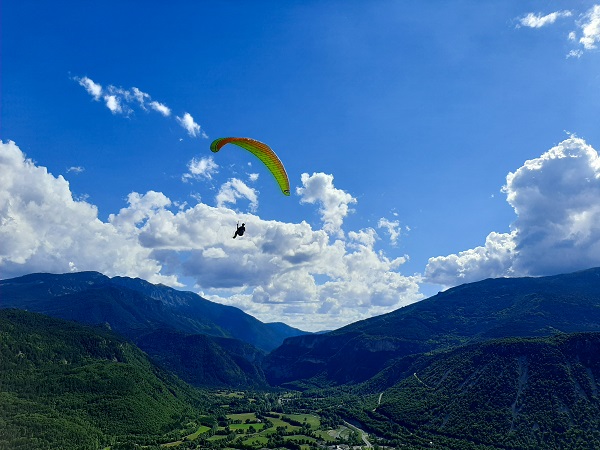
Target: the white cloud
(75, 169)
(556, 198)
(591, 28)
(277, 271)
(118, 100)
(201, 168)
(113, 103)
(187, 122)
(392, 227)
(588, 25)
(163, 109)
(140, 96)
(532, 20)
(318, 188)
(234, 190)
(492, 260)
(43, 229)
(94, 89)
(141, 207)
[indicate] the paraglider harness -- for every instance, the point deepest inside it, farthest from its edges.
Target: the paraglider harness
(240, 230)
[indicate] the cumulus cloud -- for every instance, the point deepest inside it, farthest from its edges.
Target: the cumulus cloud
(532, 20)
(141, 97)
(201, 168)
(492, 260)
(235, 189)
(318, 188)
(278, 272)
(188, 123)
(556, 198)
(590, 28)
(122, 101)
(43, 229)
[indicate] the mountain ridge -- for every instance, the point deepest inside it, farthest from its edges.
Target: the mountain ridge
(233, 343)
(492, 308)
(183, 311)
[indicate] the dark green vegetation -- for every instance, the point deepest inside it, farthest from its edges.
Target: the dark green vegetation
(69, 386)
(228, 339)
(499, 364)
(494, 308)
(512, 393)
(133, 307)
(206, 360)
(64, 385)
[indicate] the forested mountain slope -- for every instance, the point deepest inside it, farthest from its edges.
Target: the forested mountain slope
(488, 309)
(70, 386)
(203, 342)
(133, 307)
(517, 393)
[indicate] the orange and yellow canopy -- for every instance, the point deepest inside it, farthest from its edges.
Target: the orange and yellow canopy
(262, 152)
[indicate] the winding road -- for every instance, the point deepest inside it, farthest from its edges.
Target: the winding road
(363, 434)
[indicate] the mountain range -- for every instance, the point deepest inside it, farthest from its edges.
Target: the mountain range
(192, 335)
(474, 312)
(500, 363)
(160, 320)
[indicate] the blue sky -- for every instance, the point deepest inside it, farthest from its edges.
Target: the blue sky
(427, 144)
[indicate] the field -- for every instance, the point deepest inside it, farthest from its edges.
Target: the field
(247, 427)
(311, 419)
(202, 429)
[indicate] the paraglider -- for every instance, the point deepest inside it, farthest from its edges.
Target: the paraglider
(240, 230)
(262, 152)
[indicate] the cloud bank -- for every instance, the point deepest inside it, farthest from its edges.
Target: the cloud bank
(42, 228)
(310, 278)
(556, 198)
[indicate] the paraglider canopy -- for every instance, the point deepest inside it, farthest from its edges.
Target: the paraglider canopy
(262, 152)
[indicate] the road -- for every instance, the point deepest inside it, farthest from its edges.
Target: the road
(378, 401)
(363, 434)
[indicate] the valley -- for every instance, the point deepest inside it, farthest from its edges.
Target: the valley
(89, 362)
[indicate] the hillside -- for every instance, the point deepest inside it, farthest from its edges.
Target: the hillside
(205, 360)
(70, 386)
(134, 307)
(147, 314)
(513, 393)
(488, 309)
